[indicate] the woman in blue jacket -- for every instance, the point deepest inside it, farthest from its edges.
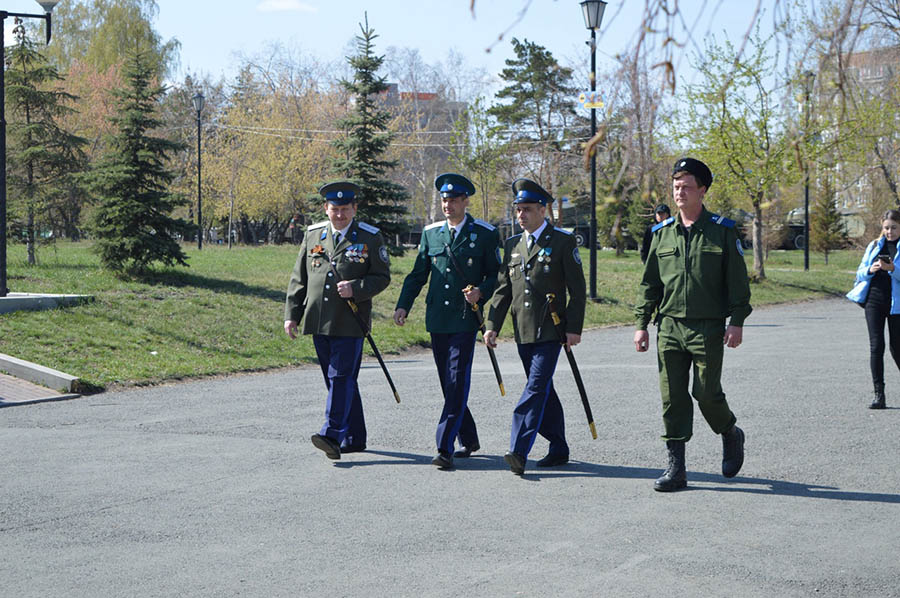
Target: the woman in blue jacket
(878, 290)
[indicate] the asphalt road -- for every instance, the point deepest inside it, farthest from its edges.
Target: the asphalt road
(212, 488)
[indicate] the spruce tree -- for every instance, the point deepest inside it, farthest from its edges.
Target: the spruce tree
(361, 160)
(42, 158)
(826, 222)
(538, 105)
(132, 222)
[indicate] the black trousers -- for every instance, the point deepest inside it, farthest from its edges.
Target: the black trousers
(876, 314)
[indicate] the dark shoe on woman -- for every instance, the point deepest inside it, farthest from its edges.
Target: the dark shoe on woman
(878, 401)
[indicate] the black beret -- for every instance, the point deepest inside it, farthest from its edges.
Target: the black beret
(697, 168)
(662, 209)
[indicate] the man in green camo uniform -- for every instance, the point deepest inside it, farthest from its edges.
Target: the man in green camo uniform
(695, 277)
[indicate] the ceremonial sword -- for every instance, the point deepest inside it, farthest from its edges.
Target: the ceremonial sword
(578, 381)
(480, 319)
(354, 309)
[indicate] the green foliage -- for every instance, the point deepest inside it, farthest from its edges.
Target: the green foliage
(476, 149)
(132, 222)
(101, 32)
(361, 160)
(42, 157)
(537, 107)
(827, 229)
(734, 124)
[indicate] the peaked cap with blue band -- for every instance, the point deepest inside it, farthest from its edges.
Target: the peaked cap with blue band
(697, 168)
(450, 184)
(527, 191)
(340, 193)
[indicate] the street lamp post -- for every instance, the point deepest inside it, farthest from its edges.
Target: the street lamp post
(593, 16)
(810, 76)
(198, 106)
(48, 7)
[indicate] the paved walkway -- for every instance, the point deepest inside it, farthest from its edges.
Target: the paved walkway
(212, 488)
(17, 392)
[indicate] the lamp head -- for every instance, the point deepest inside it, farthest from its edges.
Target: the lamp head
(593, 13)
(48, 5)
(198, 102)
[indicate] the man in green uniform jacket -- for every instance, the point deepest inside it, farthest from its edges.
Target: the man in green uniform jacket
(317, 297)
(540, 261)
(462, 256)
(695, 277)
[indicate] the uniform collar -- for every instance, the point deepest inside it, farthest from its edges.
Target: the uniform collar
(700, 222)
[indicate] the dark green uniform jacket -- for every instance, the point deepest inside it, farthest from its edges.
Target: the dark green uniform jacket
(312, 297)
(477, 252)
(703, 276)
(552, 265)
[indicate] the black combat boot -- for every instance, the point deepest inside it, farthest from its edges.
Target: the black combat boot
(674, 477)
(732, 451)
(878, 401)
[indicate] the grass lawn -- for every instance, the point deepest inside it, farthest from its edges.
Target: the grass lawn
(224, 313)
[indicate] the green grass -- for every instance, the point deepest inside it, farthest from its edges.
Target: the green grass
(224, 314)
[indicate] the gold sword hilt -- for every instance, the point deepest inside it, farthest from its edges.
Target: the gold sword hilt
(466, 290)
(553, 314)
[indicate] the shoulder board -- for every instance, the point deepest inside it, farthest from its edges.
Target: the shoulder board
(438, 224)
(486, 225)
(318, 224)
(722, 220)
(562, 230)
(367, 227)
(665, 222)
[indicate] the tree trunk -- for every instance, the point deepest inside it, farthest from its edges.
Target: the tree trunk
(29, 235)
(758, 267)
(616, 232)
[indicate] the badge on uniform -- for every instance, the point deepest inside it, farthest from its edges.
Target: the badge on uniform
(577, 255)
(499, 257)
(383, 254)
(740, 248)
(317, 250)
(469, 262)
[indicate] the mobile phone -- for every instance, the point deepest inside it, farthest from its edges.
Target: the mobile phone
(885, 258)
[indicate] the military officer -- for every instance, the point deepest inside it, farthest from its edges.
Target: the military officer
(462, 256)
(540, 261)
(695, 276)
(341, 259)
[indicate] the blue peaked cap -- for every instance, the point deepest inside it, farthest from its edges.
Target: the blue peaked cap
(527, 191)
(450, 184)
(339, 193)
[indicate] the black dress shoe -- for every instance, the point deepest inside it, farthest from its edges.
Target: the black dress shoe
(516, 462)
(330, 447)
(466, 451)
(443, 460)
(552, 460)
(358, 448)
(732, 451)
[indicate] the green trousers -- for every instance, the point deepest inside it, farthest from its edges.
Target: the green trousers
(682, 343)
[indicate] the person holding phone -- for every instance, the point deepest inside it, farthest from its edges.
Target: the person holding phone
(877, 289)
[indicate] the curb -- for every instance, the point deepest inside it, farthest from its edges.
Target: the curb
(38, 374)
(39, 301)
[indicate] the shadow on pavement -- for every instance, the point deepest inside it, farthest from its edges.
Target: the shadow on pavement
(717, 482)
(710, 482)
